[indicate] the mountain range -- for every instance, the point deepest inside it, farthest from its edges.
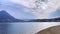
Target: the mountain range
(6, 17)
(45, 20)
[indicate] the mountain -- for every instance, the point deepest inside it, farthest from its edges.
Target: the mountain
(45, 20)
(6, 17)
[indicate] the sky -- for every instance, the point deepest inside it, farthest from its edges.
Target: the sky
(22, 9)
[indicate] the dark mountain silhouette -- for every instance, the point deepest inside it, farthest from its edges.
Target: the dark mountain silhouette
(45, 20)
(6, 17)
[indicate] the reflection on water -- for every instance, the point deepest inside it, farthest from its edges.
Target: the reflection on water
(24, 28)
(3, 28)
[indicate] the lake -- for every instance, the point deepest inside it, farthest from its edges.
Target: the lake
(25, 28)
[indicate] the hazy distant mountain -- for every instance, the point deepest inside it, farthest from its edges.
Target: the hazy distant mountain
(6, 17)
(45, 20)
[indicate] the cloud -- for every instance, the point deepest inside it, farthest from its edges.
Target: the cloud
(21, 7)
(18, 11)
(45, 13)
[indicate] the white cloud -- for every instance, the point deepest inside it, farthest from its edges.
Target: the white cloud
(51, 6)
(26, 3)
(45, 13)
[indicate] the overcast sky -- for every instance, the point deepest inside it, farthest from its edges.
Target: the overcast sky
(20, 9)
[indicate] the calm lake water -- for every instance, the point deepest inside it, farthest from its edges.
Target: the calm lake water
(25, 28)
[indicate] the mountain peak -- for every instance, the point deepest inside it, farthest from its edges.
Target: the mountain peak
(5, 15)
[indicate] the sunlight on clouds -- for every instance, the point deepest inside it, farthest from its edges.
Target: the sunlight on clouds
(22, 2)
(26, 3)
(45, 13)
(46, 10)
